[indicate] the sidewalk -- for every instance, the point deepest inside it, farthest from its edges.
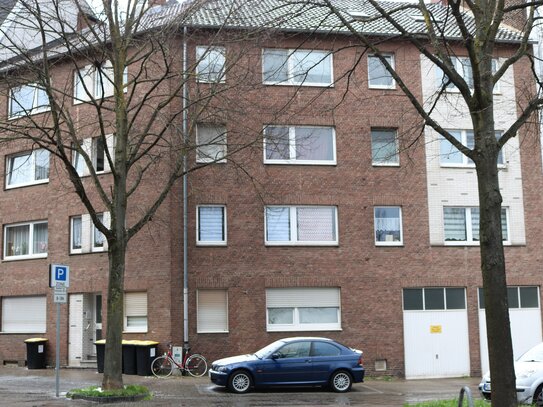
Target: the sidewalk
(23, 387)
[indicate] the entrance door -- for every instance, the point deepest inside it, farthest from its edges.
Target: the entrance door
(525, 317)
(435, 333)
(85, 327)
(97, 320)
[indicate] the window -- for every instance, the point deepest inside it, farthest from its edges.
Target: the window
(210, 64)
(296, 67)
(211, 223)
(462, 65)
(384, 147)
(378, 76)
(301, 225)
(299, 145)
(212, 311)
(517, 297)
(210, 143)
(28, 168)
(434, 298)
(24, 314)
(450, 156)
(135, 312)
(461, 225)
(26, 100)
(91, 82)
(25, 240)
(95, 148)
(388, 225)
(294, 350)
(85, 237)
(303, 309)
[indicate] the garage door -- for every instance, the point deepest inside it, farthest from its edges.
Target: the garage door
(435, 332)
(525, 316)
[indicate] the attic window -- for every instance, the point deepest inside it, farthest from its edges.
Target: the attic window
(419, 17)
(359, 15)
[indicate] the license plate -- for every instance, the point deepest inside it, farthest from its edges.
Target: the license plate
(486, 387)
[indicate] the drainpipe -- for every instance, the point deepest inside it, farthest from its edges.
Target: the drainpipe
(185, 199)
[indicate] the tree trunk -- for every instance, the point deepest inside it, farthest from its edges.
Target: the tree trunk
(113, 378)
(500, 348)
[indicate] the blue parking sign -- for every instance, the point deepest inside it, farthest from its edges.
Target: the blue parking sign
(59, 275)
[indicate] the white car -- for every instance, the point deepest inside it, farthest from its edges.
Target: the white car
(529, 373)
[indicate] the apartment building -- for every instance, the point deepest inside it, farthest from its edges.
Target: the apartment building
(323, 208)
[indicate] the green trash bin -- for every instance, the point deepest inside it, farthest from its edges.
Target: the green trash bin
(129, 357)
(35, 353)
(146, 352)
(100, 353)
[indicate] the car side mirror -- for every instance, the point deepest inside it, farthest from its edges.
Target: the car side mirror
(276, 355)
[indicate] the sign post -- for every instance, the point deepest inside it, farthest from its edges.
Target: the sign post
(59, 280)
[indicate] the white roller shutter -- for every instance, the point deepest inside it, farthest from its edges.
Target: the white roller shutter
(24, 314)
(135, 312)
(212, 311)
(302, 297)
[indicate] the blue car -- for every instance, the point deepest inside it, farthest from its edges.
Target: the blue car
(291, 361)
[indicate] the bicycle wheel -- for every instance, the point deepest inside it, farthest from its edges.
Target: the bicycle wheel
(162, 366)
(196, 365)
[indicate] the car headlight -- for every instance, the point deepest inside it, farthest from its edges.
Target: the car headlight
(222, 369)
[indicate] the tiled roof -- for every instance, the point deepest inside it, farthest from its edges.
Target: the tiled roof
(313, 15)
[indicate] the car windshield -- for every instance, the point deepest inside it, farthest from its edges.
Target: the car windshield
(268, 350)
(533, 355)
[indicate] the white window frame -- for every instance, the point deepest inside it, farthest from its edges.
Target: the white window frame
(466, 161)
(292, 147)
(36, 310)
(387, 243)
(459, 63)
(30, 243)
(89, 146)
(202, 52)
(88, 230)
(204, 311)
(35, 109)
(211, 242)
(469, 228)
(291, 81)
(32, 157)
(391, 62)
(141, 329)
(305, 297)
(92, 86)
(294, 230)
(223, 136)
(390, 162)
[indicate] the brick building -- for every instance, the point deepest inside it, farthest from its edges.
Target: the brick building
(347, 219)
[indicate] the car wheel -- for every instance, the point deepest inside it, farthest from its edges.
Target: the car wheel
(240, 382)
(537, 400)
(341, 381)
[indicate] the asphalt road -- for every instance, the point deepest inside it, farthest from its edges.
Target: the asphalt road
(22, 387)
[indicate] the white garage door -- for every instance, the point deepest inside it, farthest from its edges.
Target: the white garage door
(435, 332)
(525, 317)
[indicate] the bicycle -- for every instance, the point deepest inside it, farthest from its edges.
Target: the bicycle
(163, 366)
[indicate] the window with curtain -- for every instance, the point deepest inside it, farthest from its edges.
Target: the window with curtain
(299, 145)
(303, 309)
(296, 67)
(378, 76)
(384, 147)
(210, 65)
(302, 225)
(85, 237)
(210, 143)
(212, 314)
(27, 99)
(98, 237)
(461, 225)
(388, 225)
(25, 240)
(31, 167)
(135, 312)
(211, 223)
(449, 155)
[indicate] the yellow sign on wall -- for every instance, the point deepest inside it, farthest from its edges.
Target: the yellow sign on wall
(435, 329)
